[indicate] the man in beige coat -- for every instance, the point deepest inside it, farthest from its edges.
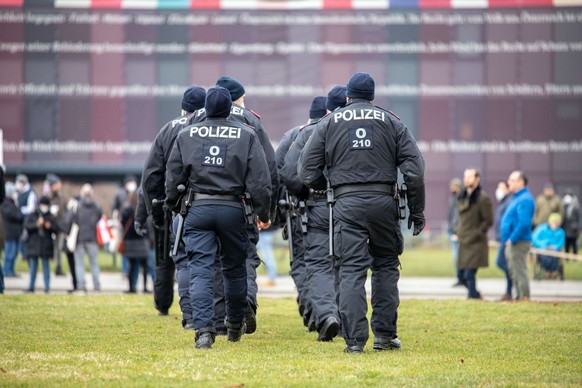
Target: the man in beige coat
(475, 218)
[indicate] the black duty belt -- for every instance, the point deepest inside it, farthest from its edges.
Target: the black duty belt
(360, 188)
(216, 197)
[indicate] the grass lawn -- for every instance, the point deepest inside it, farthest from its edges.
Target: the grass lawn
(416, 261)
(118, 340)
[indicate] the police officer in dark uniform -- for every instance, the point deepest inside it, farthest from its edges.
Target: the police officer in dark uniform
(296, 263)
(243, 115)
(153, 187)
(218, 160)
(320, 267)
(362, 146)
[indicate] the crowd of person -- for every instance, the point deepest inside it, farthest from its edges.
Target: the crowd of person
(42, 228)
(548, 222)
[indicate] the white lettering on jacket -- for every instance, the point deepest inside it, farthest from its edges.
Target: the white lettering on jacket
(359, 114)
(216, 131)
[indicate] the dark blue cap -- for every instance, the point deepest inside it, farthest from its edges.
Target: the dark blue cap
(193, 99)
(233, 86)
(336, 98)
(317, 109)
(218, 102)
(361, 85)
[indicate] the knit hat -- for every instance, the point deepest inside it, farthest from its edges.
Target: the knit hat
(218, 102)
(336, 98)
(193, 98)
(233, 86)
(44, 200)
(317, 109)
(52, 179)
(361, 85)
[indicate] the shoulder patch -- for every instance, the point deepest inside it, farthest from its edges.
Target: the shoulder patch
(388, 111)
(255, 113)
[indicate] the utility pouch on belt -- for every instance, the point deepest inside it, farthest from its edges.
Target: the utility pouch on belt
(248, 208)
(402, 202)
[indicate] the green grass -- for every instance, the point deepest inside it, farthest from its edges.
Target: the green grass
(118, 340)
(416, 261)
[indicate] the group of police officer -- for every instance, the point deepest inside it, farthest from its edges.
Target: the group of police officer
(332, 182)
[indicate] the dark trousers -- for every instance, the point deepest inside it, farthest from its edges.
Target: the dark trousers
(71, 260)
(502, 264)
(571, 244)
(182, 275)
(320, 265)
(367, 236)
(135, 263)
(205, 224)
(252, 263)
(164, 280)
(470, 281)
(297, 268)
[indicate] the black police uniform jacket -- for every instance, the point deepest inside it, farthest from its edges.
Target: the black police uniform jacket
(362, 143)
(245, 116)
(154, 171)
(289, 171)
(221, 157)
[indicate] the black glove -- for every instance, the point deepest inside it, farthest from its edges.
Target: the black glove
(140, 229)
(419, 223)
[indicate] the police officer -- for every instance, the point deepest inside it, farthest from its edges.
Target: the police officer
(218, 161)
(297, 264)
(153, 187)
(321, 276)
(362, 146)
(241, 114)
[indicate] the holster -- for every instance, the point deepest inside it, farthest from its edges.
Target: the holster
(248, 209)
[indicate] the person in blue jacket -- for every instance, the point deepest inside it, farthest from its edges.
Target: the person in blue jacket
(516, 232)
(552, 237)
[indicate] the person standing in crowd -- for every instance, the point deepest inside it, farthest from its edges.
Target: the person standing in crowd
(130, 185)
(547, 202)
(571, 221)
(320, 267)
(504, 197)
(57, 207)
(13, 226)
(217, 172)
(86, 217)
(516, 232)
(26, 201)
(68, 217)
(41, 226)
(455, 188)
(362, 156)
(136, 245)
(475, 218)
(240, 114)
(154, 188)
(549, 236)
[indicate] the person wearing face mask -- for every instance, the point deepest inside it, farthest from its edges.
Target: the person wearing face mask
(504, 197)
(475, 218)
(41, 226)
(571, 221)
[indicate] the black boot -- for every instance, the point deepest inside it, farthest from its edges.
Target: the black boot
(235, 330)
(204, 338)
